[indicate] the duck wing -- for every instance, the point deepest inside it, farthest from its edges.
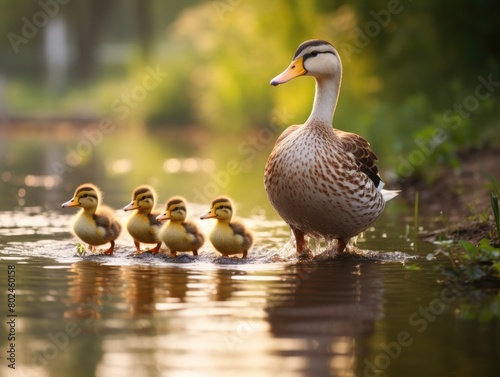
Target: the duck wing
(240, 230)
(191, 228)
(152, 219)
(366, 159)
(104, 219)
(289, 130)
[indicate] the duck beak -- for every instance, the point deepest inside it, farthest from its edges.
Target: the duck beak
(73, 202)
(132, 205)
(208, 215)
(163, 216)
(295, 69)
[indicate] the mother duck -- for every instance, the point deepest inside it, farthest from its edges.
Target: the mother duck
(322, 181)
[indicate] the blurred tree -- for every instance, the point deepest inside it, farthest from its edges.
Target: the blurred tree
(144, 26)
(89, 31)
(429, 45)
(405, 63)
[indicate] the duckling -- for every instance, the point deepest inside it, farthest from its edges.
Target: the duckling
(323, 181)
(143, 225)
(178, 234)
(95, 224)
(228, 237)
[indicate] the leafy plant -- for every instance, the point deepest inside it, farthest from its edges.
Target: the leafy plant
(496, 211)
(479, 263)
(415, 220)
(81, 249)
(475, 264)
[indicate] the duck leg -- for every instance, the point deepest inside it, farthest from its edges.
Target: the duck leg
(302, 251)
(111, 248)
(341, 244)
(155, 249)
(137, 247)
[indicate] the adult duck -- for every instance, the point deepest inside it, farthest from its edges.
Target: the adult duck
(322, 181)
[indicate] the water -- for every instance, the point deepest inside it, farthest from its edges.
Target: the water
(368, 314)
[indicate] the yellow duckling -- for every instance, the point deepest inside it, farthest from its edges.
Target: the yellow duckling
(227, 237)
(143, 225)
(95, 224)
(179, 234)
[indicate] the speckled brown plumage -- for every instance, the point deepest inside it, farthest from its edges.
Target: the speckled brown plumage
(322, 181)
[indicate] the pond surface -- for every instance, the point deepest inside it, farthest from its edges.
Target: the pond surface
(379, 312)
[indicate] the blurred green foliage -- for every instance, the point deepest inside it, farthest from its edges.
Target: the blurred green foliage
(411, 69)
(475, 264)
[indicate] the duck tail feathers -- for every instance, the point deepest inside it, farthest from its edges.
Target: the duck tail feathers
(389, 194)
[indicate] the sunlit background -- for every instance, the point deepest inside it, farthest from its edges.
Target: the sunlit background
(169, 93)
(176, 94)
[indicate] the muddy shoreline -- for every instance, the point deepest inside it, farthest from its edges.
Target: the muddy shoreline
(459, 198)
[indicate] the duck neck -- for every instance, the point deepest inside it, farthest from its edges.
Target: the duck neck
(325, 101)
(89, 211)
(224, 221)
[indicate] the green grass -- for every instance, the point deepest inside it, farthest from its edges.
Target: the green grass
(477, 264)
(496, 212)
(415, 220)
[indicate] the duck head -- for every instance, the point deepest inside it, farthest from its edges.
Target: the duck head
(86, 196)
(221, 209)
(316, 57)
(143, 199)
(175, 210)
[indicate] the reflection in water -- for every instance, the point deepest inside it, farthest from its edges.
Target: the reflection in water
(330, 306)
(140, 290)
(189, 320)
(207, 316)
(91, 287)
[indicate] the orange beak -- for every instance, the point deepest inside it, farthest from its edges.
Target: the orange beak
(295, 69)
(132, 205)
(73, 202)
(163, 216)
(209, 215)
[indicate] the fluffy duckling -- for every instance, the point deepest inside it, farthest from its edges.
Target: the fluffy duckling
(227, 237)
(143, 225)
(179, 234)
(95, 224)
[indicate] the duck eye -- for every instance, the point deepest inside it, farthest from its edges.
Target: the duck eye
(176, 208)
(314, 54)
(84, 196)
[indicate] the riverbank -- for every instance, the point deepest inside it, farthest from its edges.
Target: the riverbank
(459, 198)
